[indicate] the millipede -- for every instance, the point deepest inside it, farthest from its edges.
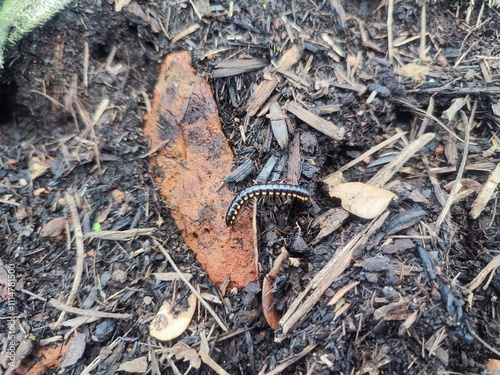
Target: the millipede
(278, 190)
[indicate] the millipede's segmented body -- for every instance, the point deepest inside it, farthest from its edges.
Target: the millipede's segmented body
(263, 190)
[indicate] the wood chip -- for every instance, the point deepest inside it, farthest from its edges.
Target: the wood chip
(278, 125)
(486, 193)
(289, 58)
(184, 33)
(234, 67)
(322, 125)
(386, 173)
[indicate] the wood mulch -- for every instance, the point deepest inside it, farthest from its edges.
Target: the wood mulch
(401, 276)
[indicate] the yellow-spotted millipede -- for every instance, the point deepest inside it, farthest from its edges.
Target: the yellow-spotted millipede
(279, 190)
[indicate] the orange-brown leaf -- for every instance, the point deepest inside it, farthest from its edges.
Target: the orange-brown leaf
(193, 157)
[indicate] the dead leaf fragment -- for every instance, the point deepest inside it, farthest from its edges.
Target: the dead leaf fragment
(44, 358)
(185, 352)
(38, 167)
(53, 228)
(137, 365)
(118, 196)
(362, 200)
(417, 72)
(192, 157)
(268, 306)
(167, 325)
(75, 350)
(493, 366)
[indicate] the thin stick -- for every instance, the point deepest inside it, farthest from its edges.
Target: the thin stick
(386, 173)
(101, 357)
(80, 258)
(485, 344)
(85, 64)
(416, 109)
(190, 286)
(423, 33)
(457, 185)
(490, 269)
(371, 151)
(339, 262)
(87, 312)
(390, 40)
(290, 361)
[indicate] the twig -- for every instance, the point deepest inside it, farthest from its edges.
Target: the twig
(80, 258)
(416, 109)
(423, 33)
(87, 312)
(390, 38)
(342, 258)
(386, 173)
(52, 100)
(457, 185)
(465, 54)
(490, 268)
(427, 120)
(290, 361)
(485, 343)
(190, 286)
(486, 193)
(4, 201)
(371, 151)
(85, 64)
(205, 356)
(121, 235)
(101, 357)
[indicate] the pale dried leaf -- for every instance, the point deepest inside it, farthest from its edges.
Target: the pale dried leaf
(362, 200)
(417, 72)
(486, 193)
(137, 365)
(186, 353)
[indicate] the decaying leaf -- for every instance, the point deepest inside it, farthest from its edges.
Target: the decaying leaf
(362, 200)
(137, 365)
(167, 325)
(187, 353)
(191, 156)
(405, 219)
(417, 72)
(270, 313)
(38, 167)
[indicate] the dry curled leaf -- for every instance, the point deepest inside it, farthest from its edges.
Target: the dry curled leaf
(268, 299)
(362, 200)
(187, 353)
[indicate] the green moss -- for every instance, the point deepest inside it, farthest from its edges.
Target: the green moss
(19, 17)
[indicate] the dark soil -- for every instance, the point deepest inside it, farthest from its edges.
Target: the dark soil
(46, 124)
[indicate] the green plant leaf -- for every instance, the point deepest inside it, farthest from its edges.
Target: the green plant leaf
(19, 17)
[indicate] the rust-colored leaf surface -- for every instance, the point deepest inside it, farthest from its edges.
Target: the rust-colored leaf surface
(192, 156)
